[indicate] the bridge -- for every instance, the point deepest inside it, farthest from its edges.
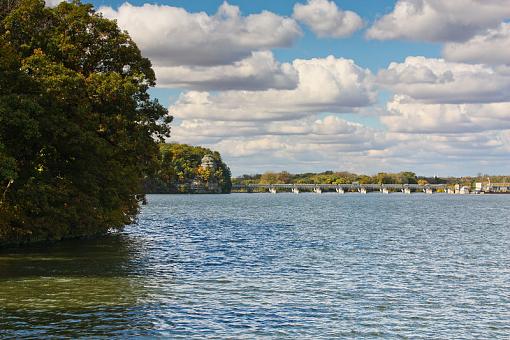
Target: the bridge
(340, 188)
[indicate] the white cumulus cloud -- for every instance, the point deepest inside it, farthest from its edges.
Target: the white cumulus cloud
(260, 71)
(301, 139)
(172, 36)
(327, 20)
(329, 129)
(438, 81)
(490, 47)
(439, 20)
(414, 117)
(324, 85)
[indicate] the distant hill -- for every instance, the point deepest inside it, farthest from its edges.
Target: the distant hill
(189, 169)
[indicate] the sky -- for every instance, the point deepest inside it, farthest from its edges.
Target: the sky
(351, 85)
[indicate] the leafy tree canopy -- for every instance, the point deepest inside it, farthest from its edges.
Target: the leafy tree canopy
(78, 130)
(181, 170)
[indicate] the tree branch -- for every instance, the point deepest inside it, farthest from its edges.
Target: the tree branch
(5, 191)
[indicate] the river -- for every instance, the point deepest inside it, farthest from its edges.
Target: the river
(274, 266)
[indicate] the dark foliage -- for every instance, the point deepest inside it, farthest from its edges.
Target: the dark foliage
(77, 126)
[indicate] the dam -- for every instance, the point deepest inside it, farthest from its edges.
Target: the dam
(340, 188)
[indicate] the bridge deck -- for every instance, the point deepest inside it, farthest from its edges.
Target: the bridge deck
(307, 186)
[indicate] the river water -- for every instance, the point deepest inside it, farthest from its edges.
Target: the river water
(274, 266)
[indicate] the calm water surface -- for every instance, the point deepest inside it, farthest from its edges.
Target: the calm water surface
(274, 266)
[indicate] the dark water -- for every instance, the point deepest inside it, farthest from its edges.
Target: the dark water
(274, 266)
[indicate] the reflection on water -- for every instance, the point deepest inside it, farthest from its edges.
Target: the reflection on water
(73, 285)
(274, 266)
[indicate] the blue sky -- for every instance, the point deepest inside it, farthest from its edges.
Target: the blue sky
(313, 85)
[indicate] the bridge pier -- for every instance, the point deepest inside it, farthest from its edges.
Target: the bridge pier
(341, 188)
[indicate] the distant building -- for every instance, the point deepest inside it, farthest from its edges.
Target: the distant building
(500, 187)
(456, 189)
(211, 185)
(464, 190)
(461, 190)
(492, 187)
(208, 162)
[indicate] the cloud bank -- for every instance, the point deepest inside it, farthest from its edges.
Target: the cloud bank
(438, 81)
(489, 47)
(324, 85)
(439, 20)
(260, 71)
(414, 117)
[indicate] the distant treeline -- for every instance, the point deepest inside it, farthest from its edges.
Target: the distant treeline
(343, 177)
(180, 171)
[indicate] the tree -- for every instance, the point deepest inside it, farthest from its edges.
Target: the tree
(364, 179)
(6, 6)
(268, 178)
(180, 166)
(78, 130)
(423, 182)
(383, 178)
(275, 177)
(406, 177)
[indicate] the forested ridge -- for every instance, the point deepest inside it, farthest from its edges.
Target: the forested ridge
(78, 130)
(181, 171)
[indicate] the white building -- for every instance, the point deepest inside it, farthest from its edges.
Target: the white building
(464, 190)
(208, 162)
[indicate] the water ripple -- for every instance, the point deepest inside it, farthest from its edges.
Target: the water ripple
(274, 266)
